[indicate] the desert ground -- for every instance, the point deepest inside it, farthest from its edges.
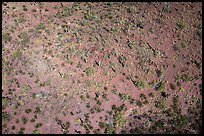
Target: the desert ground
(101, 67)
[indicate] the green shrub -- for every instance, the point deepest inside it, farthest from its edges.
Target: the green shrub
(6, 37)
(159, 73)
(110, 130)
(34, 10)
(17, 54)
(37, 109)
(146, 102)
(28, 111)
(122, 60)
(99, 102)
(84, 58)
(160, 124)
(13, 127)
(26, 88)
(97, 109)
(25, 38)
(125, 97)
(141, 84)
(113, 52)
(173, 87)
(131, 44)
(24, 120)
(199, 33)
(176, 108)
(139, 103)
(114, 107)
(21, 131)
(142, 96)
(38, 125)
(132, 9)
(71, 113)
(32, 120)
(102, 124)
(90, 15)
(161, 86)
(182, 121)
(151, 95)
(40, 26)
(36, 132)
(186, 77)
(88, 105)
(109, 3)
(6, 101)
(6, 117)
(161, 104)
(89, 71)
(181, 25)
(120, 119)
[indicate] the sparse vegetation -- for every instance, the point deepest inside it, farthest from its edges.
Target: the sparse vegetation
(89, 71)
(6, 37)
(36, 132)
(17, 54)
(25, 38)
(199, 33)
(151, 95)
(142, 96)
(112, 67)
(131, 44)
(181, 25)
(38, 125)
(109, 130)
(176, 106)
(40, 26)
(32, 120)
(161, 104)
(122, 60)
(124, 97)
(113, 107)
(146, 102)
(28, 111)
(13, 127)
(132, 9)
(173, 87)
(26, 88)
(102, 125)
(6, 117)
(120, 119)
(113, 52)
(141, 84)
(37, 109)
(182, 121)
(139, 103)
(24, 120)
(159, 73)
(161, 86)
(99, 102)
(88, 105)
(21, 131)
(6, 101)
(90, 15)
(71, 113)
(186, 77)
(34, 10)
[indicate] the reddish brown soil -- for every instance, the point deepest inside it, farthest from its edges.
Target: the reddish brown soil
(49, 48)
